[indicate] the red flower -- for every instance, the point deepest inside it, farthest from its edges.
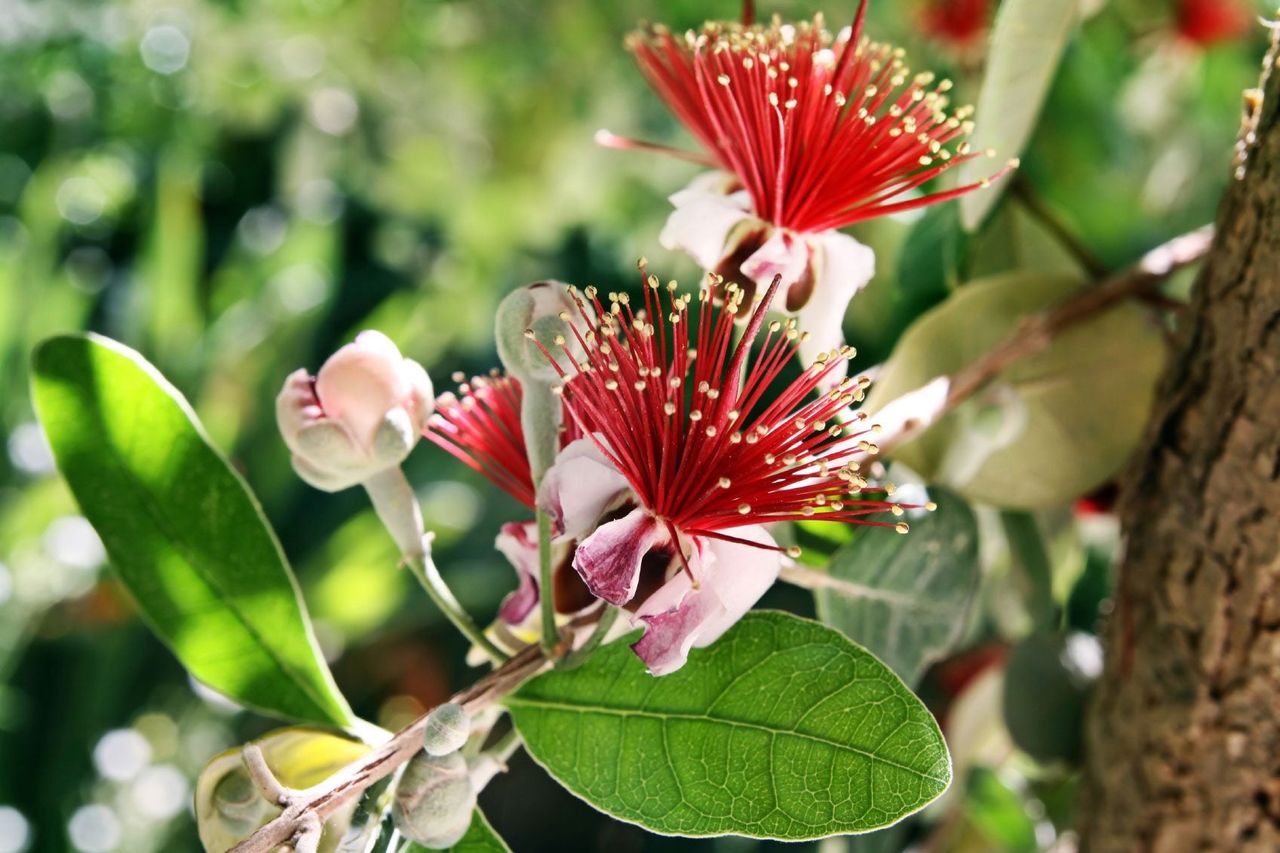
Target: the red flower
(821, 131)
(687, 455)
(1205, 22)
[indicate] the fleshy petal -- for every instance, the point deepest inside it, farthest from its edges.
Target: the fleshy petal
(843, 266)
(579, 488)
(914, 410)
(518, 542)
(731, 576)
(609, 559)
(296, 407)
(361, 382)
(782, 254)
(704, 215)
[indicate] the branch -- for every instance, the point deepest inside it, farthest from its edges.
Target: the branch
(306, 809)
(1038, 331)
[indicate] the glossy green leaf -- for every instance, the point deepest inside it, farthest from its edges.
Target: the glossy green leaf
(1027, 43)
(1053, 425)
(480, 838)
(181, 528)
(781, 729)
(915, 590)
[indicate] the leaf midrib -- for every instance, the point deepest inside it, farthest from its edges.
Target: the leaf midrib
(679, 715)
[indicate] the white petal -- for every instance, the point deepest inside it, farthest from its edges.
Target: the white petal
(843, 267)
(579, 487)
(914, 410)
(702, 219)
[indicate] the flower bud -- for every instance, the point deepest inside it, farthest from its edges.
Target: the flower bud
(434, 800)
(537, 309)
(447, 729)
(359, 416)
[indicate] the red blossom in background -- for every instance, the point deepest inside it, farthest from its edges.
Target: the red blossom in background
(822, 131)
(960, 23)
(1205, 22)
(480, 425)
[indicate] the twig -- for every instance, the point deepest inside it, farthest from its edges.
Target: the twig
(1036, 207)
(265, 781)
(318, 803)
(813, 579)
(1038, 331)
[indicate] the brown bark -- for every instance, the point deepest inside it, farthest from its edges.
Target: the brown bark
(1184, 733)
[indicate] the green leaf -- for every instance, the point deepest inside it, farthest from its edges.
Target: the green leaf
(918, 587)
(1053, 425)
(1027, 43)
(181, 528)
(1046, 688)
(480, 838)
(782, 729)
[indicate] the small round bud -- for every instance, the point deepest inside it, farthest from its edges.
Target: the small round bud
(447, 729)
(360, 415)
(530, 325)
(434, 800)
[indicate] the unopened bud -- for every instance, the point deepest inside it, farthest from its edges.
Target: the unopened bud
(447, 729)
(532, 323)
(360, 415)
(434, 800)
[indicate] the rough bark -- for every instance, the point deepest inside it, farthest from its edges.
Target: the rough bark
(1184, 733)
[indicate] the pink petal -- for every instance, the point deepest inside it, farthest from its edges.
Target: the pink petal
(579, 488)
(363, 381)
(518, 542)
(731, 576)
(782, 254)
(609, 559)
(296, 407)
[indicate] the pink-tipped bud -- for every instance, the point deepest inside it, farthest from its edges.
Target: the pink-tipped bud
(360, 415)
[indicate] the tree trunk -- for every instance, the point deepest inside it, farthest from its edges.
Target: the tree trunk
(1184, 733)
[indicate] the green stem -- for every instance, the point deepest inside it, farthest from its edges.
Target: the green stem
(503, 748)
(424, 569)
(1030, 559)
(397, 506)
(546, 589)
(579, 655)
(540, 414)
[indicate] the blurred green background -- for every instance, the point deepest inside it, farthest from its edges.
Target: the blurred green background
(236, 188)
